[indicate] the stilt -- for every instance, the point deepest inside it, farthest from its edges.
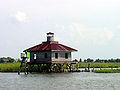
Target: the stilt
(88, 67)
(38, 67)
(60, 67)
(30, 68)
(93, 68)
(26, 68)
(77, 66)
(47, 68)
(43, 68)
(52, 67)
(70, 68)
(23, 60)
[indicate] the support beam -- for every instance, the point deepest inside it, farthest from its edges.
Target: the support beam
(30, 68)
(23, 61)
(26, 68)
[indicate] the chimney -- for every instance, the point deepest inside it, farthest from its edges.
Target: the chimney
(50, 36)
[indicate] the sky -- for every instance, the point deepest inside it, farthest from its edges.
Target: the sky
(90, 26)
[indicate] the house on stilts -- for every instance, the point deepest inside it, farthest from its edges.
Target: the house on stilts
(49, 53)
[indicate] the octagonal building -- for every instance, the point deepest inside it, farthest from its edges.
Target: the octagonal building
(50, 51)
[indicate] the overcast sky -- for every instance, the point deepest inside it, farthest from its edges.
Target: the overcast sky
(90, 26)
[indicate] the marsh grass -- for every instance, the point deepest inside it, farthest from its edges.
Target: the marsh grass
(9, 67)
(99, 65)
(14, 67)
(107, 71)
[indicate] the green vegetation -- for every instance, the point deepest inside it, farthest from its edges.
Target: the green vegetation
(99, 65)
(8, 60)
(14, 67)
(107, 71)
(89, 60)
(9, 67)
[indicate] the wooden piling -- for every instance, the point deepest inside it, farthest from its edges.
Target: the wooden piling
(88, 67)
(30, 68)
(23, 61)
(77, 66)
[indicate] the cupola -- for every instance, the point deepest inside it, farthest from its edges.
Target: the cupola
(50, 36)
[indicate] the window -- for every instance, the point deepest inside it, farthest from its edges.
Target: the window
(35, 56)
(46, 56)
(66, 55)
(56, 55)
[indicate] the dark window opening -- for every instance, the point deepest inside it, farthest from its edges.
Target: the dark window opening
(56, 55)
(66, 55)
(46, 56)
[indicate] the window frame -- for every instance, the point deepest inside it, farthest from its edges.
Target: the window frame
(56, 55)
(66, 55)
(46, 55)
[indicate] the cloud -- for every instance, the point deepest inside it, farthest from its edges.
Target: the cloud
(90, 34)
(20, 16)
(82, 34)
(118, 26)
(62, 27)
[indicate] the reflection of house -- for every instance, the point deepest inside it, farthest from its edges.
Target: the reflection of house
(5, 60)
(50, 51)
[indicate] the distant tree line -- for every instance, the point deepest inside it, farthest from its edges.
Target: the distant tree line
(89, 60)
(8, 60)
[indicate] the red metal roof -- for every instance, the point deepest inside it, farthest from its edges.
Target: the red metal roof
(50, 47)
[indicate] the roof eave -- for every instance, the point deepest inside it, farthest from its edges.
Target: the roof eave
(50, 50)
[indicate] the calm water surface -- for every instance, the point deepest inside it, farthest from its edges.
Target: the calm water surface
(60, 81)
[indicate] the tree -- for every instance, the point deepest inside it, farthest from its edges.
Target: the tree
(89, 60)
(97, 60)
(80, 60)
(75, 60)
(85, 60)
(9, 59)
(18, 60)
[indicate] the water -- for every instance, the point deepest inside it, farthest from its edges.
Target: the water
(60, 81)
